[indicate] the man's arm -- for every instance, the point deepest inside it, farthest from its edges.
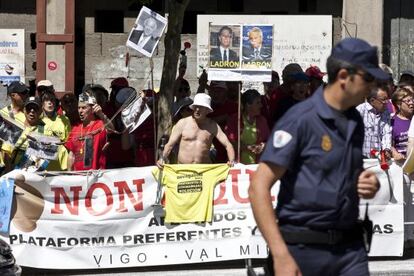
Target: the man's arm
(174, 139)
(260, 199)
(226, 143)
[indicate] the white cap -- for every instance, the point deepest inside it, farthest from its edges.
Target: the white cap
(44, 83)
(202, 99)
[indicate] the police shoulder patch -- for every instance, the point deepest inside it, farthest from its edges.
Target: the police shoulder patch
(281, 138)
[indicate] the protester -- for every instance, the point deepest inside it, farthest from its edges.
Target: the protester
(223, 56)
(181, 109)
(34, 124)
(377, 122)
(141, 141)
(18, 93)
(253, 128)
(269, 99)
(315, 76)
(195, 135)
(400, 123)
(119, 157)
(222, 110)
(116, 85)
(407, 77)
(87, 140)
(182, 89)
(317, 156)
(44, 86)
(102, 96)
(298, 88)
(69, 105)
(55, 125)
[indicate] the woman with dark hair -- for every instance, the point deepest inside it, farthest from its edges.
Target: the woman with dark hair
(254, 130)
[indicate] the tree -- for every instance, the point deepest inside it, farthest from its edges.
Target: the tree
(172, 42)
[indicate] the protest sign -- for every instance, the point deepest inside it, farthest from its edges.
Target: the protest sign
(41, 146)
(135, 114)
(10, 130)
(146, 32)
(257, 47)
(306, 40)
(12, 56)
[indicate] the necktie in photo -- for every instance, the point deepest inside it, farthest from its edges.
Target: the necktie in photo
(256, 53)
(225, 55)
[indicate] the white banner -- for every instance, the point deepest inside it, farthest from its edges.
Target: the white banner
(386, 210)
(106, 219)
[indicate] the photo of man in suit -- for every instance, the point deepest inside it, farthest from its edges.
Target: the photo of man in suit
(256, 51)
(147, 37)
(223, 56)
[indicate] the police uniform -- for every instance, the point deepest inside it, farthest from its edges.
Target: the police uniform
(318, 203)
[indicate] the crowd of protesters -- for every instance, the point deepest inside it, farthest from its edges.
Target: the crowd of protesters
(92, 134)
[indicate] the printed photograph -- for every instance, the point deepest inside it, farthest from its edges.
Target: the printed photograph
(257, 47)
(146, 32)
(224, 46)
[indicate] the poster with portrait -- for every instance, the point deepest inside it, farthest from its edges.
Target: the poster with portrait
(257, 47)
(10, 131)
(146, 32)
(224, 46)
(44, 147)
(135, 114)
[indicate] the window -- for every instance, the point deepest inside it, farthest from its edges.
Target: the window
(109, 21)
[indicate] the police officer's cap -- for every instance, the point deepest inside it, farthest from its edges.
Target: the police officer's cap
(359, 52)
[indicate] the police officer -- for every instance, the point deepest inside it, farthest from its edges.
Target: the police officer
(318, 158)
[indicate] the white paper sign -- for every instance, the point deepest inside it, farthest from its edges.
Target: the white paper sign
(12, 55)
(135, 114)
(145, 35)
(44, 147)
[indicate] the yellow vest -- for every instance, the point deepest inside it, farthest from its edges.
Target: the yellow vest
(189, 190)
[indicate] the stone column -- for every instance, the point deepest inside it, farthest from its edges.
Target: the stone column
(364, 19)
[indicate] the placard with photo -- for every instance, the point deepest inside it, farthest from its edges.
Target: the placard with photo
(146, 32)
(10, 131)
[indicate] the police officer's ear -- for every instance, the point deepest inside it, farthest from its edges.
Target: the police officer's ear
(342, 76)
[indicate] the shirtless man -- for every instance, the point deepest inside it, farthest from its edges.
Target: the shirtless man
(195, 135)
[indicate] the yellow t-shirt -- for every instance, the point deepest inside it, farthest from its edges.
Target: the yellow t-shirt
(189, 190)
(58, 126)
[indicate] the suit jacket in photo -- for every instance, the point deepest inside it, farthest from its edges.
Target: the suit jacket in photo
(265, 54)
(215, 55)
(149, 46)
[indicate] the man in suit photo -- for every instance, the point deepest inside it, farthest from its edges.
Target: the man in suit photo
(256, 51)
(223, 56)
(146, 38)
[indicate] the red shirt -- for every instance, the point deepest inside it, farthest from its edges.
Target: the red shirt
(96, 130)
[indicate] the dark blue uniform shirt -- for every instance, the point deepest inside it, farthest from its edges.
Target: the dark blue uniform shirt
(322, 151)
